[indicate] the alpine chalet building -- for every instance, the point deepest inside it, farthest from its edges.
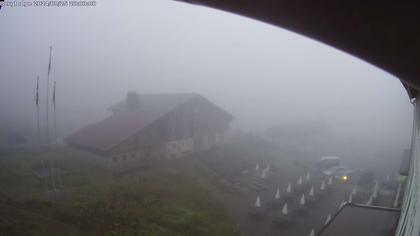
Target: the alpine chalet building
(148, 127)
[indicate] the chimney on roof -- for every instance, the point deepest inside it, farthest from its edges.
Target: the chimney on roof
(133, 101)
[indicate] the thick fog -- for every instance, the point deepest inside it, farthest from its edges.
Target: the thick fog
(263, 75)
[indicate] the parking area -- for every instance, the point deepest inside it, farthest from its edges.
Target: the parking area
(261, 177)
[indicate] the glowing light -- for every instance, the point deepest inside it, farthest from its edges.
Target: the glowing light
(345, 177)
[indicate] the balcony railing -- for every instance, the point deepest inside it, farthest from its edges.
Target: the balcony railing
(409, 223)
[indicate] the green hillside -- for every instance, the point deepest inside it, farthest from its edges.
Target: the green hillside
(154, 201)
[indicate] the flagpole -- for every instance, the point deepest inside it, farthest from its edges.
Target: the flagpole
(37, 109)
(47, 117)
(60, 183)
(39, 129)
(55, 116)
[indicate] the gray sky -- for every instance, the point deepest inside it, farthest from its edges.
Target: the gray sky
(262, 74)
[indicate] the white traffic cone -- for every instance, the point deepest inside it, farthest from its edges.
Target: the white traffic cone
(330, 180)
(312, 233)
(328, 219)
(341, 204)
(263, 174)
(375, 190)
(354, 190)
(299, 181)
(302, 200)
(289, 188)
(277, 196)
(369, 202)
(322, 188)
(258, 202)
(312, 191)
(284, 211)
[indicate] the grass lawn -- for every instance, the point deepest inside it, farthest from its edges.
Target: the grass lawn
(155, 201)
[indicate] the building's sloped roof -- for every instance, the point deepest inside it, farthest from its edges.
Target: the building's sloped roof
(107, 133)
(153, 102)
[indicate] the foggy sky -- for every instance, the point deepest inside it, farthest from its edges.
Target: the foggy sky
(262, 74)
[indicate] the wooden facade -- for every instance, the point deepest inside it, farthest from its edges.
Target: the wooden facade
(194, 125)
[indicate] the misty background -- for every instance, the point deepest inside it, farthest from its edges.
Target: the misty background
(265, 76)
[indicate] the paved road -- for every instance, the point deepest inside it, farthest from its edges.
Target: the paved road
(239, 205)
(363, 222)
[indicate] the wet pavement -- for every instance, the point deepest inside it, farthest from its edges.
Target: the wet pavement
(363, 222)
(241, 203)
